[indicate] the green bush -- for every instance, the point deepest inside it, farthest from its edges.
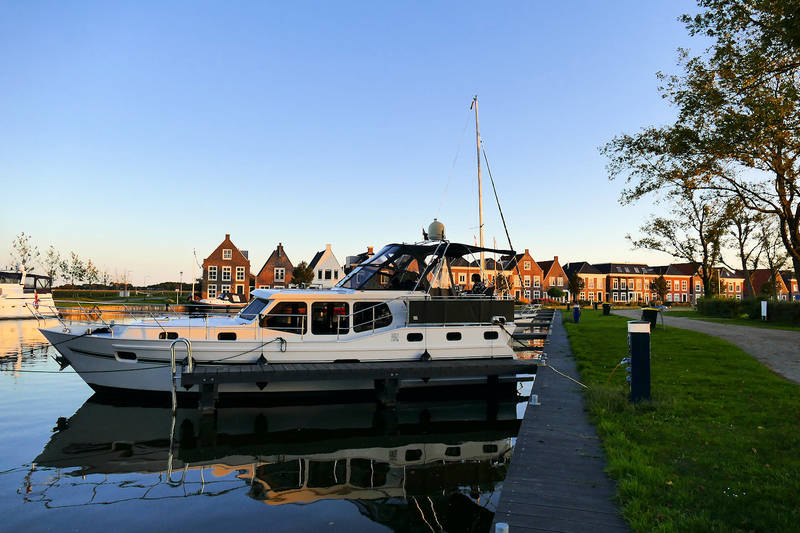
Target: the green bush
(784, 312)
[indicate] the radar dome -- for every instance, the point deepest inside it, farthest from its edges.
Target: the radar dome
(436, 231)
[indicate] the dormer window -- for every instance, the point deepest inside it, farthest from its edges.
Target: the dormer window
(227, 254)
(526, 265)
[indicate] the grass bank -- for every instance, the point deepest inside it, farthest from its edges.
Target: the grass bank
(685, 313)
(718, 447)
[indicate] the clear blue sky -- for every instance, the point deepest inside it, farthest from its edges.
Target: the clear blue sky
(134, 132)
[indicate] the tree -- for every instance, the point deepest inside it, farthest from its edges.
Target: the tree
(738, 106)
(52, 263)
(659, 287)
(302, 274)
(575, 285)
(91, 273)
(555, 292)
(693, 234)
(501, 283)
(774, 254)
(743, 235)
(23, 253)
(75, 268)
(105, 278)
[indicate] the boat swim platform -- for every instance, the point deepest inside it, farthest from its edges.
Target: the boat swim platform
(386, 375)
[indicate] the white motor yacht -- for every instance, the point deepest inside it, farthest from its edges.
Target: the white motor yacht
(399, 305)
(24, 295)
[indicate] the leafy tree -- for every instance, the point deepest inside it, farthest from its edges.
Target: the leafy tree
(302, 274)
(693, 234)
(743, 235)
(75, 268)
(501, 283)
(52, 263)
(659, 287)
(555, 292)
(575, 285)
(23, 253)
(105, 278)
(738, 106)
(91, 273)
(774, 255)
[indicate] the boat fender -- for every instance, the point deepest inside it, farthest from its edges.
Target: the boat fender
(261, 360)
(425, 356)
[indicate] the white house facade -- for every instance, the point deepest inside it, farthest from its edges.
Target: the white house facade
(327, 270)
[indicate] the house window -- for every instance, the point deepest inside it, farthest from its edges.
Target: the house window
(537, 281)
(212, 273)
(623, 284)
(527, 282)
(227, 254)
(336, 274)
(591, 283)
(582, 296)
(224, 288)
(226, 273)
(319, 274)
(669, 285)
(212, 290)
(516, 294)
(683, 285)
(669, 296)
(697, 287)
(623, 296)
(239, 273)
(330, 318)
(327, 274)
(599, 296)
(280, 274)
(638, 284)
(591, 296)
(616, 286)
(239, 289)
(739, 287)
(527, 295)
(462, 278)
(552, 280)
(536, 294)
(526, 265)
(560, 281)
(263, 286)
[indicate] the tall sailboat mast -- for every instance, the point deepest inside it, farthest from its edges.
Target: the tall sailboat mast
(480, 189)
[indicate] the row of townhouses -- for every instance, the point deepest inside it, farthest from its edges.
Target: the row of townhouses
(227, 269)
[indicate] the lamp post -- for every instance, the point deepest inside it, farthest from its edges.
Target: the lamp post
(180, 285)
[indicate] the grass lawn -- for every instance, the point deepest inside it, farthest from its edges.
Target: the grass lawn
(718, 447)
(686, 313)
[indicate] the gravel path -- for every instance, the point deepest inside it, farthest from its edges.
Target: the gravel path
(778, 349)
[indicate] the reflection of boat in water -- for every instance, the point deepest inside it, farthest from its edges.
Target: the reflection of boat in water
(21, 340)
(424, 455)
(24, 295)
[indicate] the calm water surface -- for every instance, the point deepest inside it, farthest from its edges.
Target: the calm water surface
(70, 461)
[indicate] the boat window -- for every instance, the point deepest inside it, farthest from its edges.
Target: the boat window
(367, 473)
(290, 317)
(226, 336)
(454, 336)
(363, 317)
(126, 356)
(490, 335)
(390, 268)
(490, 448)
(168, 335)
(253, 309)
(323, 474)
(325, 316)
(452, 451)
(414, 337)
(413, 454)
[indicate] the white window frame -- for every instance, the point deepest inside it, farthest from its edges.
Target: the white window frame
(263, 286)
(212, 290)
(684, 285)
(623, 284)
(212, 273)
(537, 282)
(527, 281)
(462, 278)
(225, 287)
(226, 274)
(236, 288)
(279, 274)
(616, 286)
(227, 254)
(526, 265)
(239, 270)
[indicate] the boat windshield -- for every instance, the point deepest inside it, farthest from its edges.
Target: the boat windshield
(253, 309)
(395, 267)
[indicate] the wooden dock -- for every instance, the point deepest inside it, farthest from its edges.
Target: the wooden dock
(556, 481)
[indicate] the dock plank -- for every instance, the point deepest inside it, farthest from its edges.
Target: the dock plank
(556, 481)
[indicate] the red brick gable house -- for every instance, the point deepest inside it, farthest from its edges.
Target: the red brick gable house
(227, 269)
(530, 286)
(628, 282)
(276, 272)
(790, 281)
(554, 276)
(594, 281)
(761, 277)
(679, 283)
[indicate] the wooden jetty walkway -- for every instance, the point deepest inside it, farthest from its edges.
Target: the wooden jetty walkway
(556, 481)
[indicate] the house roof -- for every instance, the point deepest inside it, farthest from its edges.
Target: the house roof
(669, 270)
(761, 276)
(625, 268)
(315, 260)
(581, 267)
(278, 257)
(545, 265)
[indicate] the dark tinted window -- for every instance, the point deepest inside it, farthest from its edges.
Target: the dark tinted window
(290, 317)
(363, 313)
(413, 455)
(326, 316)
(252, 309)
(490, 335)
(168, 335)
(414, 337)
(126, 356)
(454, 336)
(226, 336)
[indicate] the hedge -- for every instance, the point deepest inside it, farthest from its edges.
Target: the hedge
(784, 312)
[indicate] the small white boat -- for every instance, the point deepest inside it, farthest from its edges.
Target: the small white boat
(399, 305)
(24, 295)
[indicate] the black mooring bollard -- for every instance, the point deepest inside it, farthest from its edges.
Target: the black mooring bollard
(639, 350)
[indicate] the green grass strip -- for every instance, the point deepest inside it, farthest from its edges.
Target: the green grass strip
(717, 448)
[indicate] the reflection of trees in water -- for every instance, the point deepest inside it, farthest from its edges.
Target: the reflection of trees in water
(21, 341)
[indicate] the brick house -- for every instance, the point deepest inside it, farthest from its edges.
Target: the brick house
(227, 269)
(679, 283)
(530, 286)
(790, 281)
(627, 282)
(761, 277)
(553, 276)
(731, 284)
(277, 270)
(594, 281)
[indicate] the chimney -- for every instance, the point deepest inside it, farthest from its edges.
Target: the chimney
(280, 249)
(369, 251)
(527, 251)
(328, 247)
(227, 236)
(555, 258)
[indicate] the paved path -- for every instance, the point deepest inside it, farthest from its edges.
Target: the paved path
(777, 348)
(557, 480)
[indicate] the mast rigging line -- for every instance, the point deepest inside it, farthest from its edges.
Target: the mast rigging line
(453, 166)
(499, 208)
